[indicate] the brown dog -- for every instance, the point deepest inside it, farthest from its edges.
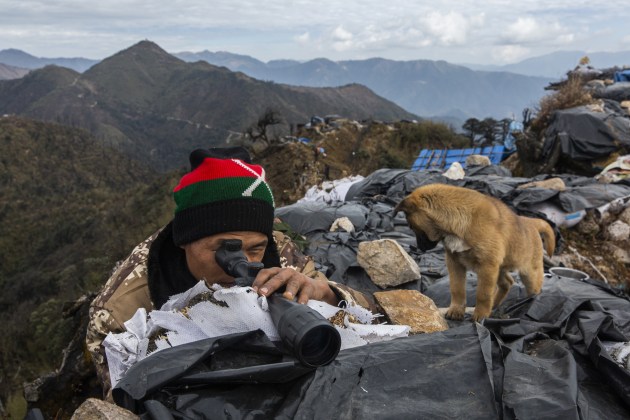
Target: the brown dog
(481, 234)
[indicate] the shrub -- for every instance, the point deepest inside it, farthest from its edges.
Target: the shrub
(571, 94)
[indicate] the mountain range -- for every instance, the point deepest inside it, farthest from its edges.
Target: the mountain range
(424, 87)
(557, 64)
(156, 107)
(19, 58)
(433, 89)
(11, 72)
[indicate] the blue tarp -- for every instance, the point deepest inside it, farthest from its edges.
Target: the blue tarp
(510, 141)
(440, 159)
(622, 76)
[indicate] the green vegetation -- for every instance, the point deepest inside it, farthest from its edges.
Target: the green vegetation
(156, 108)
(486, 132)
(69, 209)
(398, 148)
(350, 149)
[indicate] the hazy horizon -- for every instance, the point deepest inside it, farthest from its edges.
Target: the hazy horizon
(490, 32)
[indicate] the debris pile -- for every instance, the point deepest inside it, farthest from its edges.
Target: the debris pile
(580, 128)
(571, 167)
(599, 244)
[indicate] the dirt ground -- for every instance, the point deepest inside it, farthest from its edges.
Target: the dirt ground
(595, 256)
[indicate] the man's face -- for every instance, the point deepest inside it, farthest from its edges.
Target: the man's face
(201, 261)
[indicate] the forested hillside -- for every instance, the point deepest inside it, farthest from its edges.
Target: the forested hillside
(69, 209)
(156, 108)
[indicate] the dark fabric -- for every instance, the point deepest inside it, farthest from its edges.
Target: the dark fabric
(222, 216)
(168, 272)
(534, 358)
(197, 156)
(588, 135)
(539, 358)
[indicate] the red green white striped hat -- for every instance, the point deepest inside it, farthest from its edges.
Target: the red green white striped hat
(221, 195)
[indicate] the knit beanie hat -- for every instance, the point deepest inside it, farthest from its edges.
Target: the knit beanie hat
(223, 192)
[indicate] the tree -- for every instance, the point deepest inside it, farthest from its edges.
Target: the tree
(472, 128)
(259, 130)
(486, 132)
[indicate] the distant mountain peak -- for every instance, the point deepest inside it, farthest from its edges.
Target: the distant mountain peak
(145, 54)
(18, 58)
(15, 51)
(145, 46)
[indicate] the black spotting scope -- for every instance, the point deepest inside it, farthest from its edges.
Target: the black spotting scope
(310, 337)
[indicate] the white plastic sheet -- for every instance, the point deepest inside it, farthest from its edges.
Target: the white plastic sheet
(227, 311)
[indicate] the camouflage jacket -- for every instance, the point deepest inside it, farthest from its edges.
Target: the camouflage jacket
(127, 290)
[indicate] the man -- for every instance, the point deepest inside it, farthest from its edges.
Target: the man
(224, 196)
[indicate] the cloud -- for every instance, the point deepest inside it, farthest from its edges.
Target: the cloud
(411, 32)
(352, 29)
(527, 30)
(342, 40)
(340, 34)
(303, 39)
(451, 28)
(509, 53)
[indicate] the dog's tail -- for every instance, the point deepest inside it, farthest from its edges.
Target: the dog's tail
(548, 236)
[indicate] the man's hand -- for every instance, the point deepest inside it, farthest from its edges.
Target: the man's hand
(297, 284)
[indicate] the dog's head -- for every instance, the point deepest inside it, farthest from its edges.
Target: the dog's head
(414, 207)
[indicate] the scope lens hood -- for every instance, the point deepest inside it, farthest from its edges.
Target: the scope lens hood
(310, 337)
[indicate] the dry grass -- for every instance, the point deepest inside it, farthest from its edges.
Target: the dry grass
(570, 95)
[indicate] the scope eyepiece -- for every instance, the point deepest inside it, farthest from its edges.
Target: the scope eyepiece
(233, 261)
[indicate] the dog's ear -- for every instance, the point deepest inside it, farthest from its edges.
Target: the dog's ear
(401, 206)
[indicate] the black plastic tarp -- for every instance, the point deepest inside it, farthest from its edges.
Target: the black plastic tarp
(588, 135)
(371, 212)
(617, 92)
(536, 357)
(541, 358)
(581, 193)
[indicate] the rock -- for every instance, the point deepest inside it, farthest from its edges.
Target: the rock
(342, 223)
(597, 85)
(57, 394)
(619, 254)
(565, 260)
(618, 231)
(588, 226)
(625, 216)
(93, 409)
(410, 307)
(550, 184)
(596, 107)
(387, 263)
(259, 146)
(455, 171)
(478, 160)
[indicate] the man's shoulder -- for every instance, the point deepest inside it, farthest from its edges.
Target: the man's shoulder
(128, 283)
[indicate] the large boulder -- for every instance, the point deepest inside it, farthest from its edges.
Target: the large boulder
(410, 307)
(387, 263)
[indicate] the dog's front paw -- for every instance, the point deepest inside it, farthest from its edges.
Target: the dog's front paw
(455, 312)
(479, 315)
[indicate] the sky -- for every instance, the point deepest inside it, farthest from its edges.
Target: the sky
(465, 31)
